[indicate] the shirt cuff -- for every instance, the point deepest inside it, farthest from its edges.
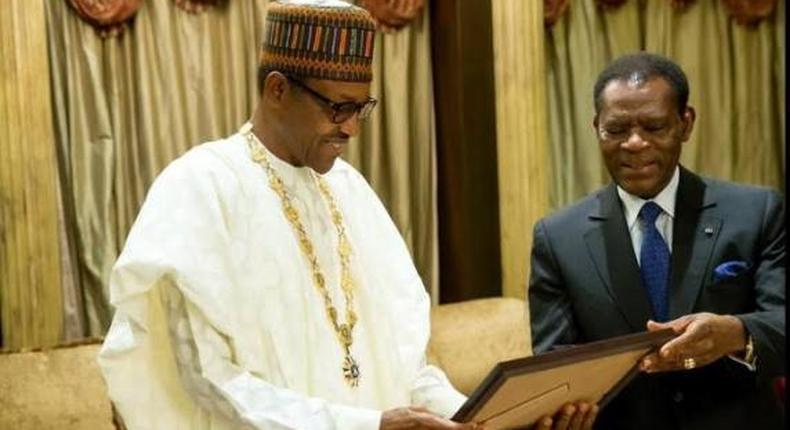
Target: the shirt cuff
(751, 366)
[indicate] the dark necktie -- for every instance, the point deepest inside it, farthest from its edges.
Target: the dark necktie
(654, 261)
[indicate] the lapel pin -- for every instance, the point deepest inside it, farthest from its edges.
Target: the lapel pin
(709, 230)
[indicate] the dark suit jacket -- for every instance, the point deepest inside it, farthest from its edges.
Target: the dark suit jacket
(584, 286)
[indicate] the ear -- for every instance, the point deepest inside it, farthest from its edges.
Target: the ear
(275, 87)
(687, 120)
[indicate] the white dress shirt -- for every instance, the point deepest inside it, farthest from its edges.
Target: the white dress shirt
(665, 200)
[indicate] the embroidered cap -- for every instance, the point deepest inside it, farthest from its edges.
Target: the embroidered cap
(323, 39)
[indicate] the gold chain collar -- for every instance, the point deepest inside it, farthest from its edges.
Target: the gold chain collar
(344, 331)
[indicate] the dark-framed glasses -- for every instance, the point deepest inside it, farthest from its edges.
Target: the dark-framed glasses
(341, 111)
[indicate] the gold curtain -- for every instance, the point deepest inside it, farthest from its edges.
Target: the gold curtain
(737, 81)
(126, 106)
(519, 70)
(578, 46)
(30, 295)
(396, 150)
(736, 75)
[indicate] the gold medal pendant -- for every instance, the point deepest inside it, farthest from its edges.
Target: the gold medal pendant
(351, 370)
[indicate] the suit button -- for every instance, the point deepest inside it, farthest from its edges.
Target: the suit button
(678, 396)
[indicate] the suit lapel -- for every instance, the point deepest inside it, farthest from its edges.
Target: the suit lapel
(693, 237)
(610, 248)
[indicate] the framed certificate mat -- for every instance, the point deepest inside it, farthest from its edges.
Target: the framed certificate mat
(518, 392)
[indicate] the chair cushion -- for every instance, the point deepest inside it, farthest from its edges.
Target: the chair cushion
(469, 338)
(54, 388)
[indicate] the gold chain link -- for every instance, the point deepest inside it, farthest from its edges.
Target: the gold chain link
(344, 331)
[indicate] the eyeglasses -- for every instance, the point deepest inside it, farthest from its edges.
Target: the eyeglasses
(341, 111)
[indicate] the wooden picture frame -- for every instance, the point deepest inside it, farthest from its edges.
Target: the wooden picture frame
(518, 392)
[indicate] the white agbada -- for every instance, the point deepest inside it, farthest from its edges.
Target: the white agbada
(218, 323)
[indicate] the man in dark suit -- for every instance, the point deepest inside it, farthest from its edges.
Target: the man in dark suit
(661, 247)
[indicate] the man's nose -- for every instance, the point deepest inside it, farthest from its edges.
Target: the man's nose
(635, 142)
(351, 125)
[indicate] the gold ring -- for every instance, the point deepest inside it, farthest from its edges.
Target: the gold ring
(689, 363)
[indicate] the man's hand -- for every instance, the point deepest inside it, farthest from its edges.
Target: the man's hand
(415, 417)
(703, 338)
(579, 416)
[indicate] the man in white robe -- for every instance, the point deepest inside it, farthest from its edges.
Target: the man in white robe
(219, 320)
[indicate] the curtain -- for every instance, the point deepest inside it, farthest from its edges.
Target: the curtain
(737, 81)
(30, 295)
(578, 46)
(396, 150)
(522, 154)
(124, 107)
(736, 76)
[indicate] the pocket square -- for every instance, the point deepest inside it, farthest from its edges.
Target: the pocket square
(729, 269)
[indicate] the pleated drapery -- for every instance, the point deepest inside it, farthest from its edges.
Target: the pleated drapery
(126, 106)
(736, 74)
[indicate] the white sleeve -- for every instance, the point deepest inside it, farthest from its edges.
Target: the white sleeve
(433, 390)
(206, 369)
(430, 387)
(751, 366)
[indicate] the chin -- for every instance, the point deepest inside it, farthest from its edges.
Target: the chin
(640, 189)
(324, 168)
(645, 193)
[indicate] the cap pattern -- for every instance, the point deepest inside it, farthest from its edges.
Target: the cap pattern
(319, 41)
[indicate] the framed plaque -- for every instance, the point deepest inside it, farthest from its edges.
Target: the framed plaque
(518, 392)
